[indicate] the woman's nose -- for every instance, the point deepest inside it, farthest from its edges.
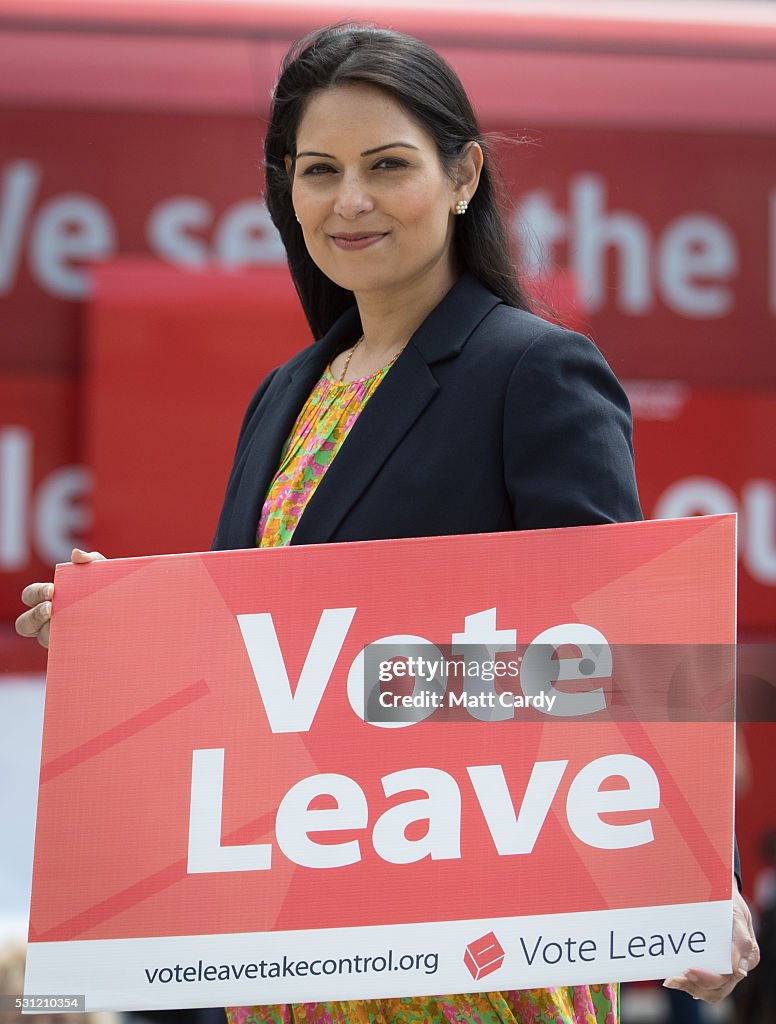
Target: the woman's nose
(352, 197)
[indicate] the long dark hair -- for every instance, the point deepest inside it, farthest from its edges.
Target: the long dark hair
(428, 88)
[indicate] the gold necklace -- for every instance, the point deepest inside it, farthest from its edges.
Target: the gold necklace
(347, 360)
(350, 356)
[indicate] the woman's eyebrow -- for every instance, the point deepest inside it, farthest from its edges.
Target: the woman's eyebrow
(367, 152)
(388, 145)
(312, 152)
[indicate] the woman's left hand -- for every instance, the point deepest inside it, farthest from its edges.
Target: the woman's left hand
(746, 956)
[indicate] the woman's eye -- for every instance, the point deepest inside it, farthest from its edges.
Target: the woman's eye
(390, 163)
(314, 169)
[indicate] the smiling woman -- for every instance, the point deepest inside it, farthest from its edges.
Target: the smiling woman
(393, 198)
(433, 402)
(371, 132)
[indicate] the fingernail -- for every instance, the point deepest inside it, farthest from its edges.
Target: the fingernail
(49, 590)
(743, 965)
(691, 976)
(671, 983)
(45, 608)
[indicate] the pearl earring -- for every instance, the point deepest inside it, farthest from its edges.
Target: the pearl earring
(461, 206)
(297, 218)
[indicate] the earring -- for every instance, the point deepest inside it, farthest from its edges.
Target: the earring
(461, 206)
(297, 218)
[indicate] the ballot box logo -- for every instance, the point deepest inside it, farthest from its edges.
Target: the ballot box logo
(484, 956)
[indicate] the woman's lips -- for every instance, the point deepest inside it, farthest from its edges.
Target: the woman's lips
(356, 241)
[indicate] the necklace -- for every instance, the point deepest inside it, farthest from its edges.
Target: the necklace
(347, 360)
(349, 356)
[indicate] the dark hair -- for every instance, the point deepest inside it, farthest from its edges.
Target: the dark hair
(428, 88)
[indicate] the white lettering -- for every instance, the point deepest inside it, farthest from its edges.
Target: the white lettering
(441, 808)
(513, 835)
(296, 819)
(206, 854)
(539, 668)
(70, 229)
(61, 516)
(586, 801)
(169, 228)
(287, 712)
(759, 498)
(15, 487)
(596, 231)
(695, 495)
(513, 832)
(361, 690)
(692, 247)
(19, 188)
(55, 514)
(246, 236)
(480, 642)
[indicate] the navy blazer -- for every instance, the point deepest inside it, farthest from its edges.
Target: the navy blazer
(491, 419)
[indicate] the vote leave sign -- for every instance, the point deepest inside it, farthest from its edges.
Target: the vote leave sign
(235, 809)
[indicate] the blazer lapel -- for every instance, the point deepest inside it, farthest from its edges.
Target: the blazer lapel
(392, 410)
(273, 421)
(398, 401)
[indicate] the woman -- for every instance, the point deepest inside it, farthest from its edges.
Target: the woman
(432, 402)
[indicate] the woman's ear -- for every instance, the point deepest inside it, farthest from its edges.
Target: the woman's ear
(467, 176)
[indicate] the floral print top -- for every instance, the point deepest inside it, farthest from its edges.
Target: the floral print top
(321, 427)
(583, 1004)
(319, 431)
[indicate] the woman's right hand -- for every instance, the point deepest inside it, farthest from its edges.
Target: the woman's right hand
(38, 596)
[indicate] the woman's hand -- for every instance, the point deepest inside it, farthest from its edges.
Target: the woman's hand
(38, 596)
(746, 956)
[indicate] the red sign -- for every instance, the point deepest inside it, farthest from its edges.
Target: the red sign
(228, 807)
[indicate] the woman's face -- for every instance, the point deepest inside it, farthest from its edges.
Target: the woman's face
(373, 200)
